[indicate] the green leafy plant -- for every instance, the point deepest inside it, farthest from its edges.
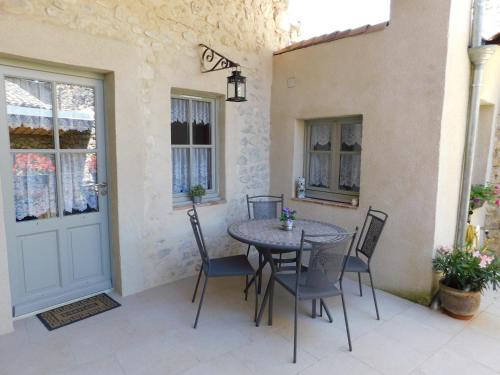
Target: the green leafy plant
(467, 269)
(198, 191)
(480, 194)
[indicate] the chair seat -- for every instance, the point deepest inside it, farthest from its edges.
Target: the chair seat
(287, 280)
(237, 265)
(356, 264)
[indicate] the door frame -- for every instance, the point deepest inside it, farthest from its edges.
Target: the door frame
(43, 72)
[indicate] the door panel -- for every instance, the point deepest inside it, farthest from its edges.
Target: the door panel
(40, 255)
(85, 245)
(54, 186)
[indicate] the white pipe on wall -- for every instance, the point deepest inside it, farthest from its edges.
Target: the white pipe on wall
(478, 55)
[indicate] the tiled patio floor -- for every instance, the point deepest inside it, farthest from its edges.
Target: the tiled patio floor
(152, 334)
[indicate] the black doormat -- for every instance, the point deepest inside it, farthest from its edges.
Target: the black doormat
(76, 311)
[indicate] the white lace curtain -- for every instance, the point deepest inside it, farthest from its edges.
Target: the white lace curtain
(320, 137)
(179, 110)
(79, 176)
(319, 163)
(201, 112)
(351, 135)
(35, 188)
(350, 172)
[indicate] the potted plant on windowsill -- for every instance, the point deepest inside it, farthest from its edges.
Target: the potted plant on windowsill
(197, 192)
(466, 273)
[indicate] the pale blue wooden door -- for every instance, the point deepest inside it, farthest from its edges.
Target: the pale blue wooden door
(53, 172)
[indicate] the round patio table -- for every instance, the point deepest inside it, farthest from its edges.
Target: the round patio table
(268, 238)
(267, 234)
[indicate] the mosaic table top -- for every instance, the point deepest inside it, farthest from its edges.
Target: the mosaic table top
(268, 233)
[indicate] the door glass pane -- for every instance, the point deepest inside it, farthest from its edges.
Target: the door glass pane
(180, 170)
(35, 192)
(349, 172)
(201, 123)
(76, 116)
(29, 113)
(321, 137)
(351, 137)
(319, 170)
(79, 176)
(179, 127)
(202, 167)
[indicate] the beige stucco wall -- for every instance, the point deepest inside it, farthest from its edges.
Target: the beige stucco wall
(453, 124)
(396, 79)
(146, 48)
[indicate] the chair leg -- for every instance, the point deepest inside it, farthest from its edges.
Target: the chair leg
(323, 304)
(246, 277)
(321, 308)
(360, 287)
(260, 274)
(263, 304)
(271, 299)
(295, 331)
(196, 287)
(374, 297)
(256, 302)
(313, 309)
(201, 302)
(346, 322)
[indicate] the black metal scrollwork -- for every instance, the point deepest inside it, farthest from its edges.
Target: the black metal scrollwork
(212, 60)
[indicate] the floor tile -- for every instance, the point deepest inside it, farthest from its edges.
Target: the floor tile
(448, 362)
(386, 354)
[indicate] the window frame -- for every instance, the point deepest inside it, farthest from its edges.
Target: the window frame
(213, 193)
(333, 192)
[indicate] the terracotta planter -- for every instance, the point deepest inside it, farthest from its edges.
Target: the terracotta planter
(458, 303)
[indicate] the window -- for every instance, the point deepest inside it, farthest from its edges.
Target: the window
(193, 134)
(333, 158)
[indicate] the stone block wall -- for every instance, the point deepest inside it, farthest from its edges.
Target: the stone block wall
(493, 212)
(166, 34)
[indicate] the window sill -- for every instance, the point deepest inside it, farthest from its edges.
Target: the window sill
(188, 206)
(324, 202)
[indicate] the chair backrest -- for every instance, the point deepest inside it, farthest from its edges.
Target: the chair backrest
(328, 258)
(198, 235)
(262, 207)
(371, 231)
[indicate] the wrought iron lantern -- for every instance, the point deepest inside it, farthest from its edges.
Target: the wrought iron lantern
(212, 61)
(236, 87)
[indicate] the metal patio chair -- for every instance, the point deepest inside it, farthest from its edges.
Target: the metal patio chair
(370, 233)
(262, 207)
(237, 265)
(322, 279)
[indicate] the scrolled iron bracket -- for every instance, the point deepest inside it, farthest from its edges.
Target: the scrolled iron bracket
(212, 61)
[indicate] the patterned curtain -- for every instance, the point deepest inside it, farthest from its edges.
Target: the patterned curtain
(351, 137)
(349, 172)
(202, 172)
(321, 137)
(179, 110)
(34, 186)
(79, 175)
(180, 170)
